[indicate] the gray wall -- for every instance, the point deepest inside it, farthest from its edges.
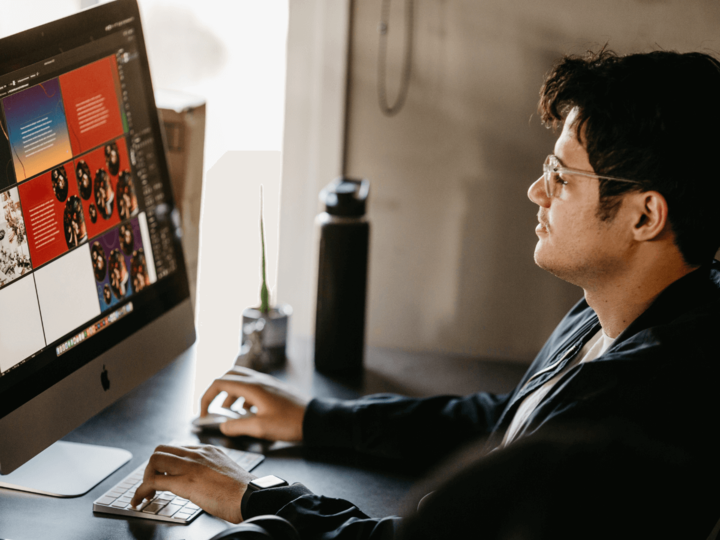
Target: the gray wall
(453, 231)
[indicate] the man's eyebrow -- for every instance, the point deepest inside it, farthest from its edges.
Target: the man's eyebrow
(560, 161)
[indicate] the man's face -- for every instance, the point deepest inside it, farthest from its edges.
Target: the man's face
(573, 243)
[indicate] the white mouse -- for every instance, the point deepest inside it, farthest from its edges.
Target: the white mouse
(214, 419)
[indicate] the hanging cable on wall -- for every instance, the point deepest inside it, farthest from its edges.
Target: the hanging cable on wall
(383, 29)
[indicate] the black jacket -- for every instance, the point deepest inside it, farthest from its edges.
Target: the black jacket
(655, 391)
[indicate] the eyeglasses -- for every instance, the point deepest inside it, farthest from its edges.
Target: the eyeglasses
(552, 171)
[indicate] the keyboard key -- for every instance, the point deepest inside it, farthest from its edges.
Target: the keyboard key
(169, 510)
(153, 508)
(142, 505)
(106, 501)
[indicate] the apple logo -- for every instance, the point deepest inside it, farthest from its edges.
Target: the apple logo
(104, 379)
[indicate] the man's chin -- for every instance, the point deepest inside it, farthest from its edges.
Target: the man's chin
(556, 268)
(540, 256)
(543, 259)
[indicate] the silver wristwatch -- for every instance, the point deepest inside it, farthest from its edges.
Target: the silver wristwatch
(264, 482)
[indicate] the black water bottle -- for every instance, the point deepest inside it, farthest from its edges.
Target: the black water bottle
(342, 277)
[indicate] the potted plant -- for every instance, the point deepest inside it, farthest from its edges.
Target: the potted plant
(263, 335)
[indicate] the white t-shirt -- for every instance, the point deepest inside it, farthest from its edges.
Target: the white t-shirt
(594, 348)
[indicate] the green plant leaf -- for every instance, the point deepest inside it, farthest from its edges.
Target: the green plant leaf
(264, 294)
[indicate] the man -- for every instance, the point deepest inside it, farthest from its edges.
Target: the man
(614, 423)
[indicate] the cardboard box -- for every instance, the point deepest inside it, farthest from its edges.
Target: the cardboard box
(182, 118)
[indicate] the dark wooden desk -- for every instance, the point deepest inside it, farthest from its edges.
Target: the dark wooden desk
(160, 411)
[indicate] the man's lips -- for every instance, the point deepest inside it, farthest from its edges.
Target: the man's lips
(542, 226)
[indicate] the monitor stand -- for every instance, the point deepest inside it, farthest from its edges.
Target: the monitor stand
(66, 469)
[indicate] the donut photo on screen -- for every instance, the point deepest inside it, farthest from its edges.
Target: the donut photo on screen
(138, 271)
(58, 177)
(127, 240)
(127, 200)
(112, 158)
(104, 194)
(97, 253)
(74, 222)
(92, 210)
(82, 171)
(118, 274)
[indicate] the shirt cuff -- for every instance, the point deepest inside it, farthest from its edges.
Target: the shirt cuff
(271, 500)
(328, 422)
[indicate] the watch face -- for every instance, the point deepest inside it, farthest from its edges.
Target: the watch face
(268, 481)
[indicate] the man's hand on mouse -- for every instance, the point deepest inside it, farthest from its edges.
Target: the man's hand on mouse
(280, 408)
(204, 475)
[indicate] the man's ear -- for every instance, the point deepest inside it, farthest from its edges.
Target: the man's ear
(651, 211)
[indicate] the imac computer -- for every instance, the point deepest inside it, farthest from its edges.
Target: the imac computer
(94, 295)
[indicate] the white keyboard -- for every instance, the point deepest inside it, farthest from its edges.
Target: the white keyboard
(165, 506)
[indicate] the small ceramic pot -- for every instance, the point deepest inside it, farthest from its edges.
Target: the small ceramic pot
(273, 337)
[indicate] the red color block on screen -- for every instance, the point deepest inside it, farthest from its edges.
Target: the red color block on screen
(44, 202)
(91, 104)
(99, 199)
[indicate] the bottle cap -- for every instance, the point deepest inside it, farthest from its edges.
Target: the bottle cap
(345, 196)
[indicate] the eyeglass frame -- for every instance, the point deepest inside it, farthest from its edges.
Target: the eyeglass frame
(550, 185)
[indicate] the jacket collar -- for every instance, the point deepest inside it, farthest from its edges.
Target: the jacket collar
(692, 291)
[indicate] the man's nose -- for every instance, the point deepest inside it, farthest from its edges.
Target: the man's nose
(536, 193)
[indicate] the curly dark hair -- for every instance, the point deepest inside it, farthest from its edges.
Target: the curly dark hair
(650, 117)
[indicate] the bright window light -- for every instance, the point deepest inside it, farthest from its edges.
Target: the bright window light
(230, 53)
(19, 16)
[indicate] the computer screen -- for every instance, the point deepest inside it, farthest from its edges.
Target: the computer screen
(90, 250)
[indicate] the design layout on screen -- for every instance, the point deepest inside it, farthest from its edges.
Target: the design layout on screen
(91, 97)
(73, 239)
(14, 252)
(107, 186)
(49, 123)
(72, 289)
(37, 129)
(53, 213)
(119, 264)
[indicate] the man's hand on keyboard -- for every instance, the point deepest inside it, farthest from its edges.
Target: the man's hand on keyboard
(203, 474)
(280, 408)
